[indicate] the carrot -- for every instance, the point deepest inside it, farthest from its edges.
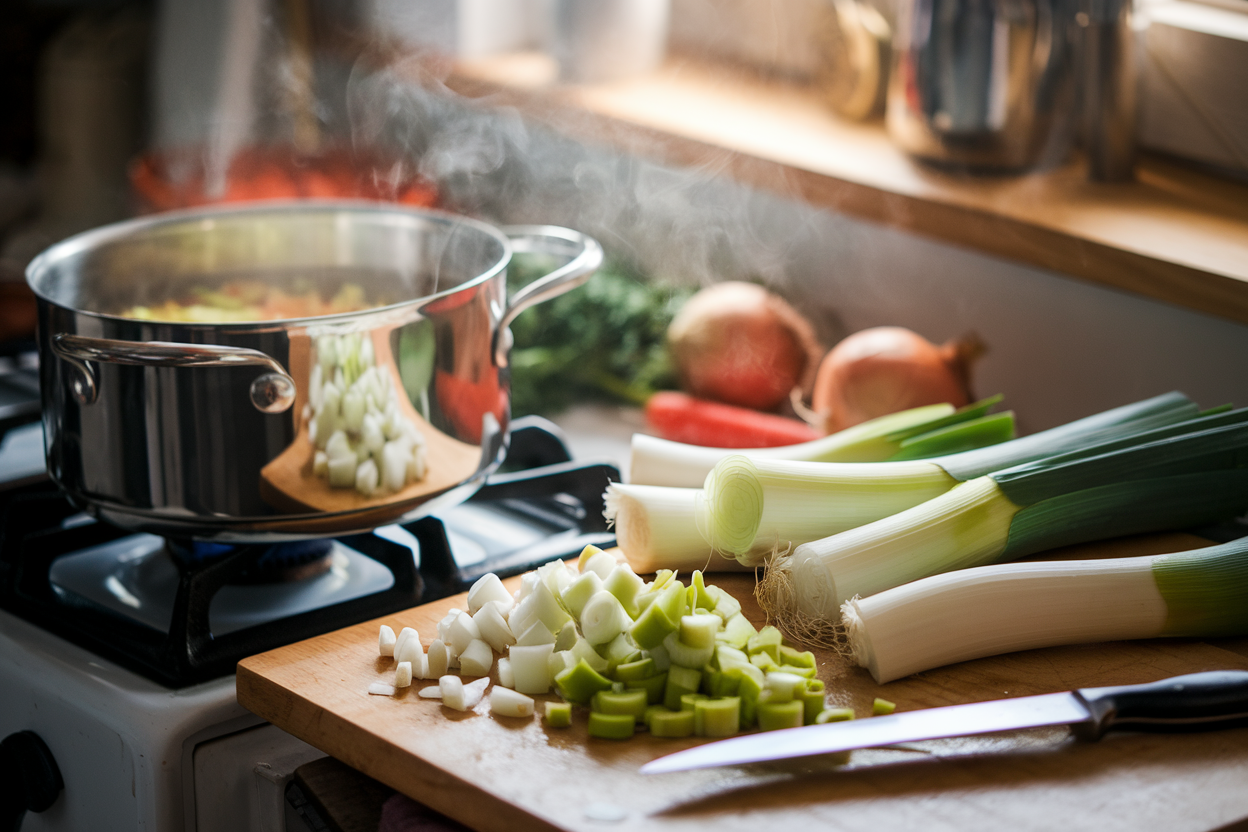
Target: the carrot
(683, 418)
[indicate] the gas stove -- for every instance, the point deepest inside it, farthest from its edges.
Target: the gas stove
(117, 650)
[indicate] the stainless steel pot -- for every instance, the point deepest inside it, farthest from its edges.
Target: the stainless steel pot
(213, 430)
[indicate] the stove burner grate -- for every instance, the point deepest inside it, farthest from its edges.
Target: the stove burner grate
(557, 501)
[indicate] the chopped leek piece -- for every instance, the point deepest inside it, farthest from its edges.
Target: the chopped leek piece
(792, 656)
(669, 723)
(506, 702)
(580, 682)
(773, 716)
(680, 680)
(813, 700)
(737, 631)
(632, 702)
(785, 687)
(690, 699)
(624, 584)
(660, 617)
(748, 691)
(577, 593)
(882, 707)
(654, 686)
(636, 670)
(717, 717)
(558, 714)
(698, 631)
(686, 656)
(611, 726)
(767, 641)
(834, 715)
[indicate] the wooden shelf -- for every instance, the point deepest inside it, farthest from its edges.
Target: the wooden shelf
(1175, 234)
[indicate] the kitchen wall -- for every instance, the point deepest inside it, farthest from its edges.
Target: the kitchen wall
(1059, 348)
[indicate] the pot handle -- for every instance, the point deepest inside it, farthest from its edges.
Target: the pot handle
(584, 257)
(272, 392)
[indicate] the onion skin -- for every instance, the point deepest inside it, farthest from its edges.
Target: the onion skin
(740, 344)
(883, 370)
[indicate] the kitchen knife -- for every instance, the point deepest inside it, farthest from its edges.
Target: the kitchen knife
(1195, 702)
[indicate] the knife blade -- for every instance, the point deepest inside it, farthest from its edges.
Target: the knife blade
(1196, 701)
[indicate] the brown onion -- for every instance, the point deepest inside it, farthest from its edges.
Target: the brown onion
(887, 369)
(738, 343)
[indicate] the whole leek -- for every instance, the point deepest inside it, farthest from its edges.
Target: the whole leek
(989, 610)
(918, 432)
(754, 506)
(1189, 474)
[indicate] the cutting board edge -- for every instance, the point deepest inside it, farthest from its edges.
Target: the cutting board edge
(438, 788)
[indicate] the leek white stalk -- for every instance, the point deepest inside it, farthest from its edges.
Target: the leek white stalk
(755, 506)
(657, 528)
(657, 461)
(989, 610)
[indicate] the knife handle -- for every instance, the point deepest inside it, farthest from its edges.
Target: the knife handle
(1194, 702)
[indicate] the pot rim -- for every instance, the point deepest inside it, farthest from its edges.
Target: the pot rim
(95, 237)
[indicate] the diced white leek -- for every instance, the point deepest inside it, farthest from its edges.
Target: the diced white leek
(338, 445)
(493, 627)
(452, 688)
(403, 674)
(506, 702)
(412, 652)
(439, 659)
(462, 632)
(394, 462)
(548, 609)
(683, 655)
(536, 634)
(381, 689)
(604, 618)
(418, 466)
(505, 677)
(327, 352)
(560, 660)
(316, 380)
(386, 641)
(567, 637)
(579, 591)
(371, 433)
(366, 352)
(320, 464)
(530, 667)
(528, 581)
(602, 563)
(430, 692)
(353, 410)
(556, 576)
(699, 630)
(625, 585)
(584, 650)
(523, 614)
(404, 635)
(476, 659)
(489, 587)
(366, 477)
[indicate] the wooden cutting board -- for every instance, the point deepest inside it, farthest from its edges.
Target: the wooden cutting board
(506, 774)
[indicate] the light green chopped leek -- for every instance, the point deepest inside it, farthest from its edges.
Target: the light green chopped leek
(558, 714)
(773, 716)
(882, 707)
(631, 702)
(668, 723)
(717, 717)
(611, 726)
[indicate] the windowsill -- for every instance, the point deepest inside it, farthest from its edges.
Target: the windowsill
(1175, 234)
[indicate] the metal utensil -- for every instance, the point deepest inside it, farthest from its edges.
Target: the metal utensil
(1197, 701)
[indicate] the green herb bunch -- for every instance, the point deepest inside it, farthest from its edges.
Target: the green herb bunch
(604, 341)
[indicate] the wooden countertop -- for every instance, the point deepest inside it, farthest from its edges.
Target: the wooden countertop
(1175, 234)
